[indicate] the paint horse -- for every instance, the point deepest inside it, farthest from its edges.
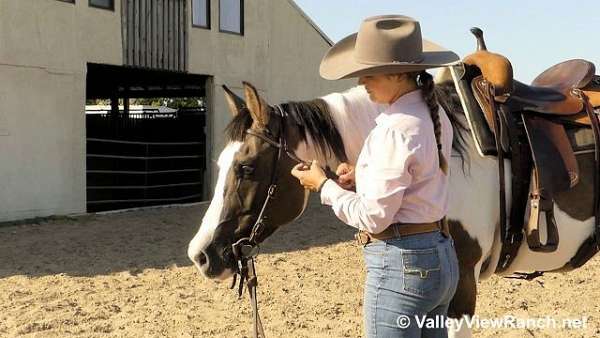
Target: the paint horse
(264, 142)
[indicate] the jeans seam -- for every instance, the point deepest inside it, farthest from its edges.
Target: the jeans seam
(453, 274)
(374, 312)
(379, 284)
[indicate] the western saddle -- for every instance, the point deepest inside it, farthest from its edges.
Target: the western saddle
(526, 123)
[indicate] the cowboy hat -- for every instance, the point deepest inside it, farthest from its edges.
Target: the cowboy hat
(383, 44)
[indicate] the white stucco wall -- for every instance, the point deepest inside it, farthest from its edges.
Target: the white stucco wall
(45, 46)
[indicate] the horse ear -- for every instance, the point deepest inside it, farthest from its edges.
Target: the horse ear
(256, 105)
(234, 102)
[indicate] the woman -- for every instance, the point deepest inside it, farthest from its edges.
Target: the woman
(401, 178)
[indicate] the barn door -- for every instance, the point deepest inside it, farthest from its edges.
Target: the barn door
(155, 34)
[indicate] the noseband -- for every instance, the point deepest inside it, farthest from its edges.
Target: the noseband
(246, 248)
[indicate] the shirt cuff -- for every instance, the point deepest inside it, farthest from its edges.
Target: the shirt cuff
(330, 192)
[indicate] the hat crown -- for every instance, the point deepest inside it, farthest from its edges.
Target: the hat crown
(389, 39)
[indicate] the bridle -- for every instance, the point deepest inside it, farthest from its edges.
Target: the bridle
(246, 249)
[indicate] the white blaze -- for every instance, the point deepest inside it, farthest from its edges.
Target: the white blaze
(211, 218)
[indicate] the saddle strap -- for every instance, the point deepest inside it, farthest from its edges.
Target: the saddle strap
(539, 204)
(511, 230)
(508, 249)
(521, 165)
(595, 118)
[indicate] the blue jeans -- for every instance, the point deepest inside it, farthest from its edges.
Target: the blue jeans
(412, 277)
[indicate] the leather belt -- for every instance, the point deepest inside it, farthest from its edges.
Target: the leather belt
(398, 230)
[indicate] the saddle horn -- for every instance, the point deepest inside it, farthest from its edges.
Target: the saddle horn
(479, 36)
(495, 68)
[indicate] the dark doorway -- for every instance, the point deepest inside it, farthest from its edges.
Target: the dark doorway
(144, 155)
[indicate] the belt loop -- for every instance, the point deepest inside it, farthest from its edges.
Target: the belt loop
(396, 230)
(444, 227)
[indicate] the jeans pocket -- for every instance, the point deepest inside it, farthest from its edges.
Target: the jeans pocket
(421, 271)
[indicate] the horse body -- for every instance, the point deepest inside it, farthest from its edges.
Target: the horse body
(473, 208)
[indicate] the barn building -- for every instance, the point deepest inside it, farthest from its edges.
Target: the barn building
(55, 55)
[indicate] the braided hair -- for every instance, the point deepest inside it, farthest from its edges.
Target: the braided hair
(425, 82)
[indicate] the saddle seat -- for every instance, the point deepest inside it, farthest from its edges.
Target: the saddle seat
(552, 91)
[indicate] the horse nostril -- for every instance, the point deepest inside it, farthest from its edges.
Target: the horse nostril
(201, 259)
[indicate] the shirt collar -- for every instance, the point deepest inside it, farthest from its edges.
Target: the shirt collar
(403, 105)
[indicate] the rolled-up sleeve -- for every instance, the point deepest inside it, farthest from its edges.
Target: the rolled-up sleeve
(380, 185)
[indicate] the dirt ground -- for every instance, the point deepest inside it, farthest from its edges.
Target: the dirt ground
(127, 275)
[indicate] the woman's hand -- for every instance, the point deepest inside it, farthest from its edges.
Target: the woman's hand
(311, 177)
(345, 172)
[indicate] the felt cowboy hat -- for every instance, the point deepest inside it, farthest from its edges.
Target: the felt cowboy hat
(383, 45)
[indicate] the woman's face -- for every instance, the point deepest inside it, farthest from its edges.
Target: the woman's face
(384, 88)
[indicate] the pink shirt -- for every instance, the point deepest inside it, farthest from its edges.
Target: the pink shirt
(398, 178)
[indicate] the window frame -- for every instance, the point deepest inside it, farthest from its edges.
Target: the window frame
(111, 8)
(208, 15)
(242, 12)
(68, 1)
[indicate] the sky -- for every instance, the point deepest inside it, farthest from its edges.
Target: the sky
(532, 34)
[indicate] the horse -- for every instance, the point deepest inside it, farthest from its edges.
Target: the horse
(264, 142)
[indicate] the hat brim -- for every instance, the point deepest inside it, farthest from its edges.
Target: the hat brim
(338, 63)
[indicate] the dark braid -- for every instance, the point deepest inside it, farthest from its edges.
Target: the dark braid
(425, 82)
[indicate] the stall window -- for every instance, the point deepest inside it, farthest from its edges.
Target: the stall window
(201, 13)
(105, 4)
(231, 16)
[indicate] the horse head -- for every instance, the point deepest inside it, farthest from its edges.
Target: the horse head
(254, 175)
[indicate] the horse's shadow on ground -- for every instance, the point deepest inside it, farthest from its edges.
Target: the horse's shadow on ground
(133, 241)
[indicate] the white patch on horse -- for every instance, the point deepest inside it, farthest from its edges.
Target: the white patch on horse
(211, 218)
(570, 240)
(354, 116)
(460, 330)
(478, 209)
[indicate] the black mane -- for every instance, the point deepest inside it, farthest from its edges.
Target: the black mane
(313, 120)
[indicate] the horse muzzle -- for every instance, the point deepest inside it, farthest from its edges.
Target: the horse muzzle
(210, 264)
